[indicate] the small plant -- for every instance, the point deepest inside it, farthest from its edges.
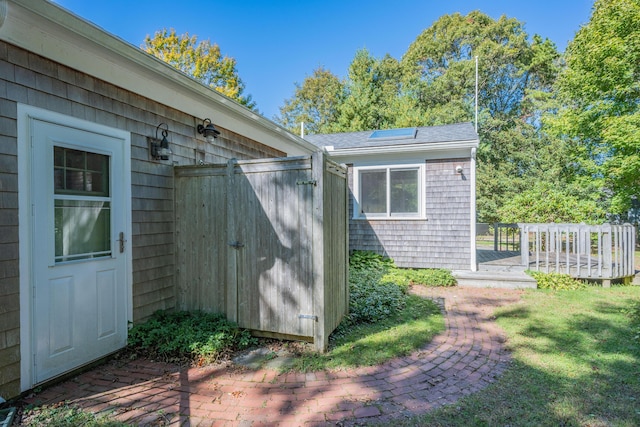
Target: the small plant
(196, 336)
(556, 281)
(634, 315)
(372, 299)
(368, 260)
(63, 415)
(430, 277)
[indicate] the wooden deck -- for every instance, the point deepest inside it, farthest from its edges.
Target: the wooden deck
(510, 261)
(506, 258)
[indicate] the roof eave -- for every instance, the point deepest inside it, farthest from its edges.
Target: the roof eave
(417, 148)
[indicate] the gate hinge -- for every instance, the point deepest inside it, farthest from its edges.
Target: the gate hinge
(310, 182)
(308, 316)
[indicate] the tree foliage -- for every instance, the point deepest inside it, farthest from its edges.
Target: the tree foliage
(201, 60)
(314, 103)
(599, 98)
(572, 167)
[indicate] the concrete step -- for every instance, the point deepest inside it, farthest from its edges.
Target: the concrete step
(498, 267)
(495, 279)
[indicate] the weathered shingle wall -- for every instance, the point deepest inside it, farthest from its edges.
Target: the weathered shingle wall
(442, 241)
(30, 79)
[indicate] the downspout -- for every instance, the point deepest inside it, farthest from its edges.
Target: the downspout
(472, 204)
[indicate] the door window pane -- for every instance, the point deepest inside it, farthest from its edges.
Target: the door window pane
(80, 172)
(82, 229)
(404, 191)
(373, 191)
(82, 208)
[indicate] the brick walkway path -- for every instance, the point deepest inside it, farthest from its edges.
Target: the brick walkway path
(463, 360)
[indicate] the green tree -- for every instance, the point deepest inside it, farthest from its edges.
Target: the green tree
(315, 103)
(371, 92)
(202, 61)
(558, 205)
(599, 95)
(515, 72)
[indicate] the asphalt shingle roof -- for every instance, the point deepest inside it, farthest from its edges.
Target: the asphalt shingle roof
(424, 135)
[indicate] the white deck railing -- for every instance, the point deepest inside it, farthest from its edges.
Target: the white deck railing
(583, 251)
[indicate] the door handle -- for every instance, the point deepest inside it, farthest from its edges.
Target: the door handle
(122, 241)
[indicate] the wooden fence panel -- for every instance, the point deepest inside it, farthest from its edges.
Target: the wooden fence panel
(201, 235)
(266, 243)
(274, 272)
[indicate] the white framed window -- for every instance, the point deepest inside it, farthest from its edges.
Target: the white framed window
(389, 192)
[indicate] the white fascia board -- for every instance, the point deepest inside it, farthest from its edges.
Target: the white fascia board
(54, 33)
(443, 150)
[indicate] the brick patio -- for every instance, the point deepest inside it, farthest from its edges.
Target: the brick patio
(463, 360)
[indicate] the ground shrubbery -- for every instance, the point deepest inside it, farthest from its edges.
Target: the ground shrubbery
(556, 281)
(176, 336)
(378, 288)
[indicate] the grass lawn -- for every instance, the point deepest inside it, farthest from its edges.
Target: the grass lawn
(373, 343)
(576, 362)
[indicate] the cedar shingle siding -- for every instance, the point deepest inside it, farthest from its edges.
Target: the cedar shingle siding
(36, 81)
(442, 241)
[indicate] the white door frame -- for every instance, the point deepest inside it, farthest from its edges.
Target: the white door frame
(26, 114)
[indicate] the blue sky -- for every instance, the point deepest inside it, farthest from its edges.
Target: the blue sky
(278, 43)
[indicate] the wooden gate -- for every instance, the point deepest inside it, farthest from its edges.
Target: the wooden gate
(265, 242)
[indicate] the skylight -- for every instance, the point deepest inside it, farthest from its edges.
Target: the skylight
(403, 133)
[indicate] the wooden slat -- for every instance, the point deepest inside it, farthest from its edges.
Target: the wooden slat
(291, 220)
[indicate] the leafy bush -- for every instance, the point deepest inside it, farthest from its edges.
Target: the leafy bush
(402, 277)
(371, 299)
(430, 277)
(197, 336)
(556, 281)
(360, 260)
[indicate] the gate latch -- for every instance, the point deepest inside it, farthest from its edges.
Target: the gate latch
(310, 182)
(236, 245)
(308, 316)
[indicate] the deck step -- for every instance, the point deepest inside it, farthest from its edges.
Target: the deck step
(495, 279)
(499, 267)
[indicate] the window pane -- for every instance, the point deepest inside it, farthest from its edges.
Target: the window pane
(82, 229)
(373, 191)
(58, 156)
(404, 191)
(75, 159)
(80, 173)
(74, 180)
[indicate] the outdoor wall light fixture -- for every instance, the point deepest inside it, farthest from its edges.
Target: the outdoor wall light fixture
(160, 148)
(458, 169)
(209, 131)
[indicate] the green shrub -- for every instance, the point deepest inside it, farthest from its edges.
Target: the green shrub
(201, 337)
(361, 260)
(556, 281)
(430, 277)
(371, 299)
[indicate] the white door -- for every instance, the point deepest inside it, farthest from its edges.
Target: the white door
(79, 211)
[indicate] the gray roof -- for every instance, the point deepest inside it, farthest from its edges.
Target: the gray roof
(424, 135)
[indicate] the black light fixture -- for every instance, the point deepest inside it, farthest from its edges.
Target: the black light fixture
(160, 148)
(209, 131)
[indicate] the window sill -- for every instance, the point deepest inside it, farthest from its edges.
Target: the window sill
(389, 218)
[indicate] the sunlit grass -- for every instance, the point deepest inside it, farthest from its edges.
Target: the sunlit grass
(373, 343)
(576, 362)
